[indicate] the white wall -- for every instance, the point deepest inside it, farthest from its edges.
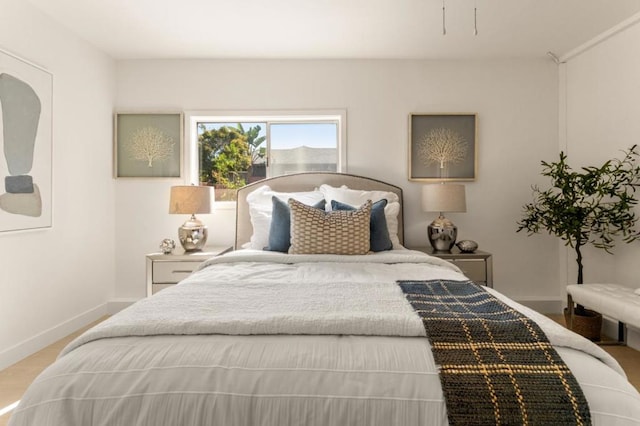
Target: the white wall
(54, 281)
(517, 106)
(602, 95)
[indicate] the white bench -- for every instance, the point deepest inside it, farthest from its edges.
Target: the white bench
(611, 300)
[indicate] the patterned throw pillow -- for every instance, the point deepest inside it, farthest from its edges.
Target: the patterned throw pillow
(280, 230)
(379, 240)
(337, 232)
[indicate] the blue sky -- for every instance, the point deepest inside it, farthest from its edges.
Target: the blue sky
(291, 135)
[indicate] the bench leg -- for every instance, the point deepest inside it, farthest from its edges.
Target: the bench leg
(622, 333)
(622, 328)
(622, 337)
(570, 308)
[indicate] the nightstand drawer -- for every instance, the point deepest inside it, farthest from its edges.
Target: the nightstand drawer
(172, 272)
(477, 266)
(475, 269)
(164, 270)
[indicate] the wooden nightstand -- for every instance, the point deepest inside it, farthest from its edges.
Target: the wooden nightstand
(165, 270)
(478, 266)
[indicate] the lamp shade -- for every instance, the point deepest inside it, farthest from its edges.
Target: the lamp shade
(443, 197)
(190, 199)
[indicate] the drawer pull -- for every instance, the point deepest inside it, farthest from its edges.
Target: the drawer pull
(181, 271)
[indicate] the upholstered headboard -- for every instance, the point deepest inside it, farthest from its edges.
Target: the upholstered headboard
(307, 182)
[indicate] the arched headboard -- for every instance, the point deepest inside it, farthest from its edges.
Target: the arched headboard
(308, 182)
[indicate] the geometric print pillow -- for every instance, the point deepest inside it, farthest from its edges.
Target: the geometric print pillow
(379, 240)
(314, 231)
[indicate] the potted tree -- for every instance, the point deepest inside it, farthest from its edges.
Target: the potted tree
(591, 206)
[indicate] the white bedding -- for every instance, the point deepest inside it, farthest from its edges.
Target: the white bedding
(341, 346)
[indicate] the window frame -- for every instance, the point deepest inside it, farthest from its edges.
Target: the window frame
(192, 118)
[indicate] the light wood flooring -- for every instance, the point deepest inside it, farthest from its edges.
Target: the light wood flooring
(15, 379)
(628, 358)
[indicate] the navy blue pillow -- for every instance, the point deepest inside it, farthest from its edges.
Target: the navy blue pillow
(280, 229)
(379, 240)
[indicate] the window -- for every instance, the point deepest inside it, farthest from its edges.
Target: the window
(228, 151)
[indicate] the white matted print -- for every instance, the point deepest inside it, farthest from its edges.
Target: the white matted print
(442, 147)
(26, 93)
(148, 145)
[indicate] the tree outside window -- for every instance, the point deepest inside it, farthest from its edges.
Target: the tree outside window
(230, 154)
(229, 157)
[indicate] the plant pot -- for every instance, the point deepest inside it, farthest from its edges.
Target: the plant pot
(588, 325)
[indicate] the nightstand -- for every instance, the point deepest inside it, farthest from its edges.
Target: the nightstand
(165, 270)
(478, 266)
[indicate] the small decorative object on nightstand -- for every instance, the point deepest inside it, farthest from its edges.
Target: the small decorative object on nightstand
(165, 270)
(477, 266)
(441, 197)
(467, 246)
(167, 245)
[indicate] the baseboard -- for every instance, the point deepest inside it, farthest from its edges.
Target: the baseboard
(610, 328)
(633, 338)
(32, 345)
(24, 349)
(116, 305)
(544, 306)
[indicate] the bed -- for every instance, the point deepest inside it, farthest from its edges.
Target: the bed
(260, 337)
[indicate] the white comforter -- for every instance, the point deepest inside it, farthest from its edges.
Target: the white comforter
(333, 341)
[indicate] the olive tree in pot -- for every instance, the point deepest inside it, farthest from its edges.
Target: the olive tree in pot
(592, 206)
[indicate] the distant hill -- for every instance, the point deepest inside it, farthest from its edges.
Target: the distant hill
(304, 155)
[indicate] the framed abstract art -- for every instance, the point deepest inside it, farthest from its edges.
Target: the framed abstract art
(26, 94)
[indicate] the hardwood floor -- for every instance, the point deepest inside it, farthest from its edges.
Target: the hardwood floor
(628, 358)
(15, 379)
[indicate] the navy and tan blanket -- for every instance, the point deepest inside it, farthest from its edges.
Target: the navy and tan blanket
(496, 365)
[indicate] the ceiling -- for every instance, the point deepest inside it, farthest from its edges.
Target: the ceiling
(130, 29)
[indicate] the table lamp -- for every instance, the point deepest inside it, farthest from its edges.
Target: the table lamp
(191, 200)
(441, 197)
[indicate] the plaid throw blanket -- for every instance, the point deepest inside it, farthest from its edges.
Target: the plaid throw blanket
(496, 365)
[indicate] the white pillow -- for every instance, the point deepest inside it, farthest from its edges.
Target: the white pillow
(260, 210)
(355, 197)
(391, 212)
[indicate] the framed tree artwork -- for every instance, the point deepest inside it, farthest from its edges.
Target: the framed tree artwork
(442, 147)
(148, 145)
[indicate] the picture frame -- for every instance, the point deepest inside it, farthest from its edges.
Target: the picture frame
(148, 145)
(442, 147)
(26, 160)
